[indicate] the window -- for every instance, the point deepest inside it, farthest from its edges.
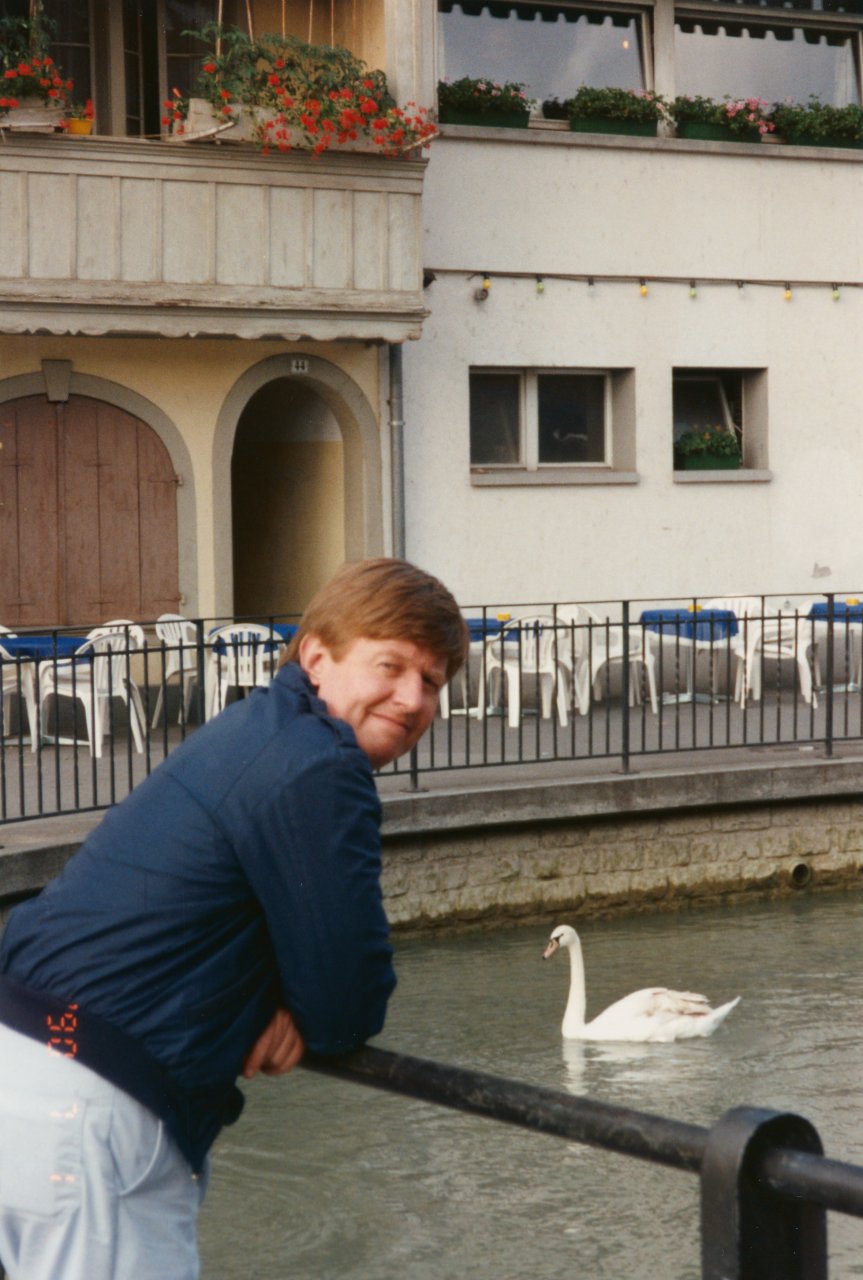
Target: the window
(774, 63)
(732, 398)
(548, 426)
(552, 48)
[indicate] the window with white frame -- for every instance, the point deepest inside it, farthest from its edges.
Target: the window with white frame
(552, 48)
(534, 419)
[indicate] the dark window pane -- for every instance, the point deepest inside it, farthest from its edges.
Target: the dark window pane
(571, 418)
(70, 20)
(698, 402)
(785, 63)
(494, 419)
(552, 50)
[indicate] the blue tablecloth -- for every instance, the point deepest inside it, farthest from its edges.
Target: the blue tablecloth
(41, 648)
(706, 626)
(842, 611)
(483, 628)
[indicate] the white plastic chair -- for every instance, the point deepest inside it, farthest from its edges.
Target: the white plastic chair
(179, 639)
(595, 644)
(749, 612)
(532, 657)
(18, 681)
(98, 672)
(242, 655)
(777, 636)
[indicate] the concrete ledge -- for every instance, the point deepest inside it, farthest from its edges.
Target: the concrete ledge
(660, 791)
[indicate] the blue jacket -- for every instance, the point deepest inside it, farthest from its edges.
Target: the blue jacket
(244, 873)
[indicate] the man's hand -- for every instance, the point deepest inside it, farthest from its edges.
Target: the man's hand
(277, 1049)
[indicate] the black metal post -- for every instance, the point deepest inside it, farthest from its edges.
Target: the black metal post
(748, 1232)
(828, 677)
(624, 679)
(201, 655)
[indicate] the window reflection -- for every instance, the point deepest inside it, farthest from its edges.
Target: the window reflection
(571, 412)
(495, 434)
(553, 50)
(772, 63)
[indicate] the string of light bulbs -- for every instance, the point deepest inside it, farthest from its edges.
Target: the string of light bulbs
(643, 283)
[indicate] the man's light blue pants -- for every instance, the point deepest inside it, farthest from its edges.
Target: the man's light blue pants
(91, 1185)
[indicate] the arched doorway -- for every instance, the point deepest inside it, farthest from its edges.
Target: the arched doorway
(88, 515)
(288, 505)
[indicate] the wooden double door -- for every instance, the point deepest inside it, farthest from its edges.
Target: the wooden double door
(88, 515)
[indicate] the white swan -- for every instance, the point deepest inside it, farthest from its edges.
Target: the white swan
(652, 1014)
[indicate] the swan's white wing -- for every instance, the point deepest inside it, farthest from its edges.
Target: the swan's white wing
(656, 1013)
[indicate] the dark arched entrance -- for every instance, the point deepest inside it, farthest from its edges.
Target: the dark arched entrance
(288, 508)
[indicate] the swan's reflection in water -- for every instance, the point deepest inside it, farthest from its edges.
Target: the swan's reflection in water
(574, 1078)
(579, 1056)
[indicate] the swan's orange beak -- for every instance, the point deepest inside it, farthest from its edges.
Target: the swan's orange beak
(553, 945)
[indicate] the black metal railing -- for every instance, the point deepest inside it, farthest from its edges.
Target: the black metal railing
(765, 1183)
(610, 681)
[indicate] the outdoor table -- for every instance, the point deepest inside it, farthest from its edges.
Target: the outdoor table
(846, 614)
(41, 648)
(695, 629)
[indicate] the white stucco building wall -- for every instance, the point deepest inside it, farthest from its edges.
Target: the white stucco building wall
(518, 205)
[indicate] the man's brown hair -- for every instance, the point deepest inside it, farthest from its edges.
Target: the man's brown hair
(384, 599)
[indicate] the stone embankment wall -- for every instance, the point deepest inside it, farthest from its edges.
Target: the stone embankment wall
(595, 863)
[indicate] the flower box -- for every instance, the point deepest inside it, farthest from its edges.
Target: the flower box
(707, 462)
(795, 139)
(514, 119)
(708, 132)
(32, 115)
(599, 124)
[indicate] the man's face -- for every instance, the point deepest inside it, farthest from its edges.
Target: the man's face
(386, 690)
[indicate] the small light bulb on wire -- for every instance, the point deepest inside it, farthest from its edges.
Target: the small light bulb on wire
(834, 293)
(486, 282)
(540, 284)
(642, 288)
(787, 294)
(693, 291)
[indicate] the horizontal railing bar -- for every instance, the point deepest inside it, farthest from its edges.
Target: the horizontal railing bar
(804, 1176)
(551, 1111)
(658, 1139)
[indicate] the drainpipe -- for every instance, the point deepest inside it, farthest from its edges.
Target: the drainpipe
(397, 447)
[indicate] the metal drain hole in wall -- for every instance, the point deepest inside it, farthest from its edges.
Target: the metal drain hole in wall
(801, 875)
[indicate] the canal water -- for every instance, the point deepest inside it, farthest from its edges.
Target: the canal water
(323, 1180)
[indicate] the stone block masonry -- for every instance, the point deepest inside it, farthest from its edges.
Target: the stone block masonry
(583, 859)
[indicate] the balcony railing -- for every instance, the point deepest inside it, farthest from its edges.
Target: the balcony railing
(106, 235)
(544, 683)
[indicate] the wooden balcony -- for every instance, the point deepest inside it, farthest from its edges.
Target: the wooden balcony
(113, 236)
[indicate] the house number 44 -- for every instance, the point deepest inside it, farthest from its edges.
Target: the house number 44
(299, 365)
